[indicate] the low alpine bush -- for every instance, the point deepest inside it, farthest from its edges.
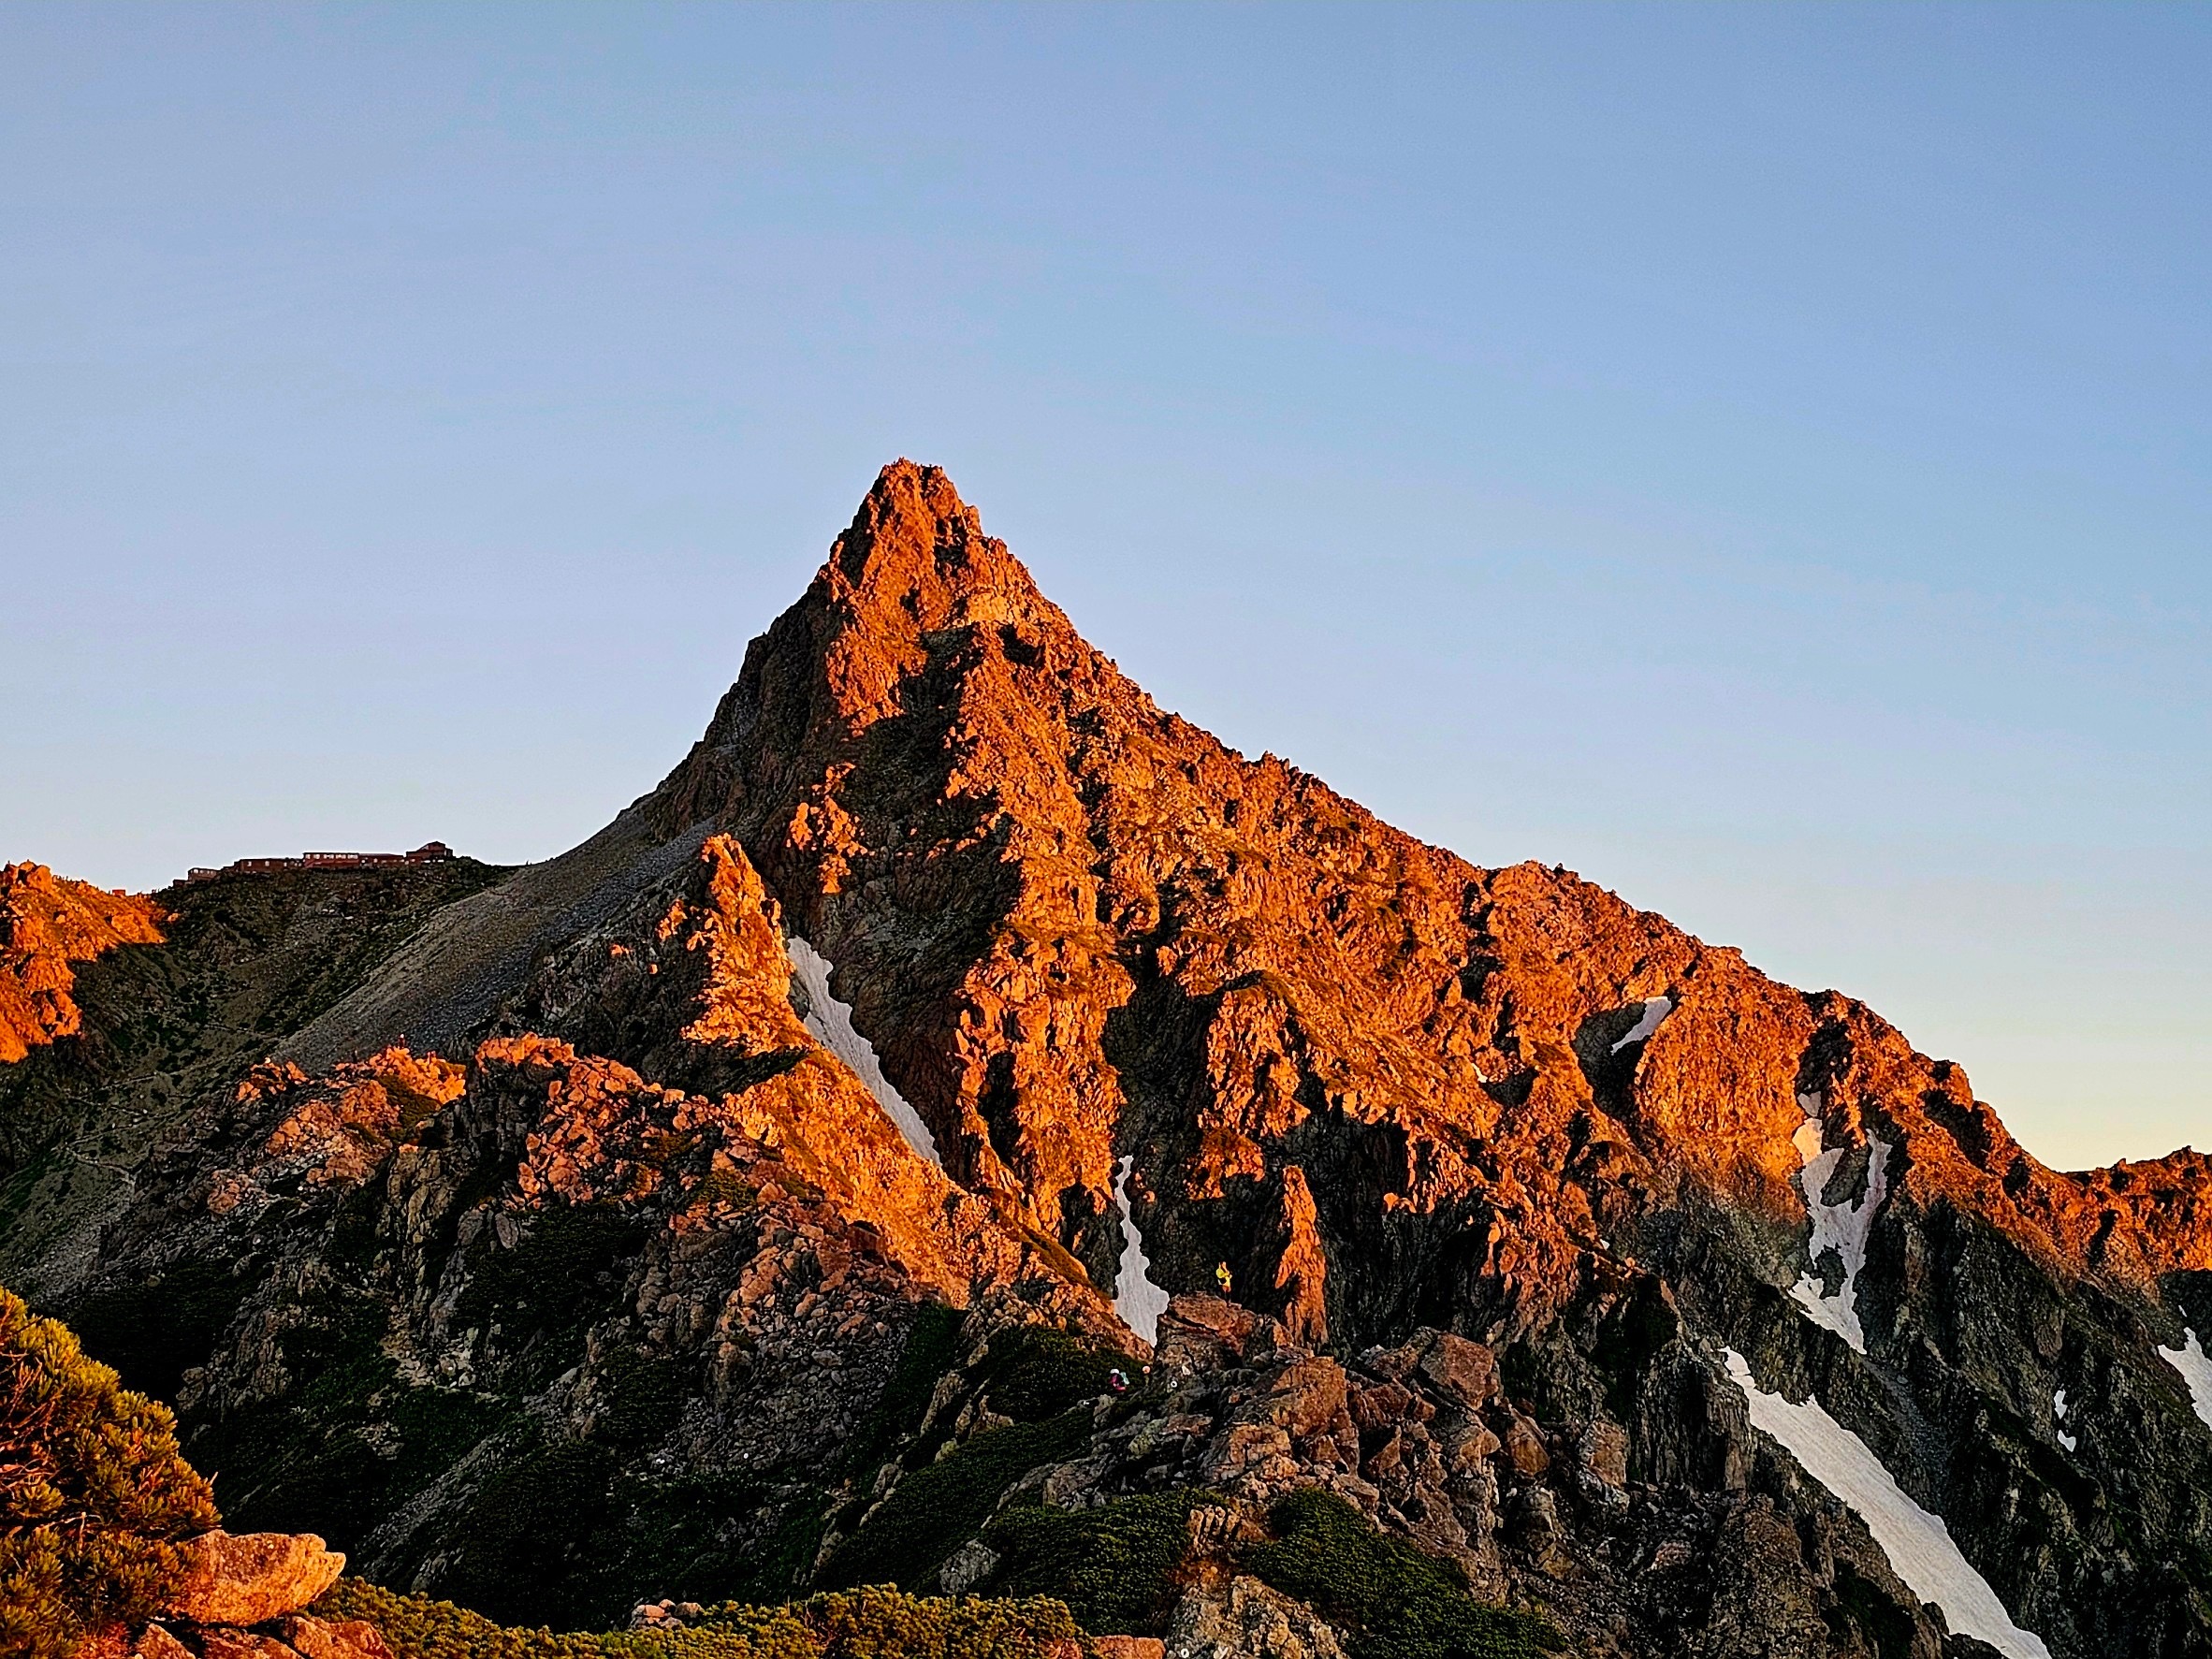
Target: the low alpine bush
(1400, 1602)
(94, 1496)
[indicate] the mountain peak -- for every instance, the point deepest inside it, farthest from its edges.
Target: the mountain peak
(1176, 1020)
(915, 557)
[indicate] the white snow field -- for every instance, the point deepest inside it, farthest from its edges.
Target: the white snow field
(831, 1022)
(2195, 1366)
(1136, 1297)
(1918, 1545)
(1655, 1010)
(2058, 1411)
(1842, 1227)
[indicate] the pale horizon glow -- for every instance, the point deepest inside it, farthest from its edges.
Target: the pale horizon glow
(1754, 457)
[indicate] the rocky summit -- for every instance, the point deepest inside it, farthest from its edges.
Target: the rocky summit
(969, 1129)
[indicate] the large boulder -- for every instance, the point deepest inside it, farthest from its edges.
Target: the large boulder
(324, 1639)
(1245, 1620)
(250, 1577)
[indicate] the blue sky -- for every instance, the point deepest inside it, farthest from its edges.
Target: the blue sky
(1758, 457)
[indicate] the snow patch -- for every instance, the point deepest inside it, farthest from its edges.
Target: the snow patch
(2195, 1366)
(1655, 1010)
(1136, 1297)
(2058, 1411)
(1918, 1543)
(1842, 1227)
(831, 1022)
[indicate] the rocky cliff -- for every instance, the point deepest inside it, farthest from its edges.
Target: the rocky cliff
(949, 994)
(53, 924)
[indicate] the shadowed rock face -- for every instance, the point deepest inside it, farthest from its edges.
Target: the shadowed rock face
(499, 1327)
(1397, 1101)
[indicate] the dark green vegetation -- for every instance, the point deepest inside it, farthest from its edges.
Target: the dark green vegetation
(305, 1461)
(1037, 1373)
(94, 1494)
(1398, 1602)
(872, 1623)
(246, 961)
(929, 1354)
(934, 1508)
(1041, 1377)
(1115, 1567)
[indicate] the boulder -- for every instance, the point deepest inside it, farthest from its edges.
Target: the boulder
(1602, 1453)
(1128, 1646)
(157, 1643)
(969, 1566)
(1304, 1400)
(220, 1643)
(1246, 1620)
(325, 1638)
(1524, 1447)
(1200, 1333)
(1463, 1371)
(250, 1577)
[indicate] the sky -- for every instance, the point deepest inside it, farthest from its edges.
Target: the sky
(1758, 457)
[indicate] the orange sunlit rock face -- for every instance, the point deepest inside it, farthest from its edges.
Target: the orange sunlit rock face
(1078, 924)
(51, 924)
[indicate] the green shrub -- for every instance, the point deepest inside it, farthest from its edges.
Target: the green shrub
(932, 1342)
(935, 1508)
(871, 1623)
(95, 1497)
(415, 1627)
(878, 1622)
(531, 1543)
(1114, 1566)
(1037, 1373)
(1400, 1602)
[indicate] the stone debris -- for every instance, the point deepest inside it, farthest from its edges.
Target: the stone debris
(1245, 1620)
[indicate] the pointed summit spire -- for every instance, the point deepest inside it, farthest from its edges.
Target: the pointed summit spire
(916, 546)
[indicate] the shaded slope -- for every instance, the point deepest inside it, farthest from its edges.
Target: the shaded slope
(169, 1011)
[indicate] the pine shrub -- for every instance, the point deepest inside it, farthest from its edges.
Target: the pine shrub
(876, 1622)
(934, 1508)
(1399, 1602)
(1117, 1567)
(95, 1497)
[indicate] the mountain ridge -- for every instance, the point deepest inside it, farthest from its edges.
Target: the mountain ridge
(1147, 993)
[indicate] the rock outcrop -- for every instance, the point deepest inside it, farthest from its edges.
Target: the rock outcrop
(439, 1294)
(253, 1578)
(168, 1002)
(50, 924)
(244, 1599)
